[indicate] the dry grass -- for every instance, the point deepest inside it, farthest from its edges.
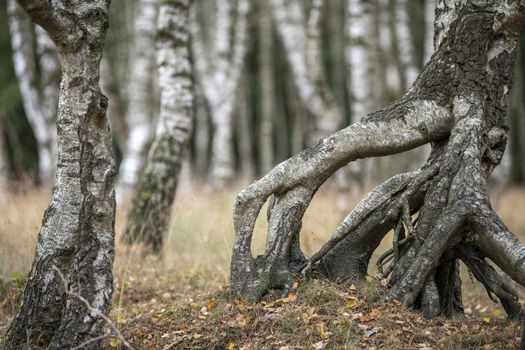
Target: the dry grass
(197, 253)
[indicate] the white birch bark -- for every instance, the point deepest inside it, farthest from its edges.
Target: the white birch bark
(301, 39)
(148, 219)
(140, 97)
(75, 248)
(219, 66)
(360, 65)
(40, 110)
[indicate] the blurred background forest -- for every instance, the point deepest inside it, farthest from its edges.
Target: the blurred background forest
(271, 118)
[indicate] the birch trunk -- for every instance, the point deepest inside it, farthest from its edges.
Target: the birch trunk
(4, 166)
(244, 131)
(219, 65)
(359, 56)
(39, 106)
(140, 97)
(74, 254)
(458, 104)
(202, 132)
(301, 40)
(148, 218)
(405, 41)
(266, 64)
(517, 128)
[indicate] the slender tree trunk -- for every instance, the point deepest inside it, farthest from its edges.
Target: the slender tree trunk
(140, 97)
(301, 40)
(39, 105)
(115, 111)
(517, 128)
(266, 64)
(407, 56)
(148, 218)
(458, 104)
(70, 283)
(202, 132)
(4, 165)
(244, 131)
(360, 61)
(219, 65)
(429, 30)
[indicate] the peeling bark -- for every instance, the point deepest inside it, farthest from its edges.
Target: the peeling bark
(458, 105)
(148, 218)
(76, 241)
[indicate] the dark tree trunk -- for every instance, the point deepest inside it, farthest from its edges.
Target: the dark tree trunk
(148, 219)
(458, 104)
(76, 242)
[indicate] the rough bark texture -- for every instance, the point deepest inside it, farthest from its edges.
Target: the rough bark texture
(76, 241)
(219, 62)
(458, 104)
(149, 215)
(140, 106)
(39, 103)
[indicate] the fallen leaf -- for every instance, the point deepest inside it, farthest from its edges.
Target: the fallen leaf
(371, 331)
(486, 320)
(319, 345)
(496, 312)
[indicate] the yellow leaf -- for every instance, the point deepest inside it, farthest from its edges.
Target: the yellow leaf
(212, 304)
(134, 311)
(231, 346)
(118, 318)
(114, 342)
(486, 319)
(351, 304)
(323, 331)
(369, 278)
(496, 312)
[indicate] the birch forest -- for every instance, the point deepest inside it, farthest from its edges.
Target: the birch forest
(262, 174)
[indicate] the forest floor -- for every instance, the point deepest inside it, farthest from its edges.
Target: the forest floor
(179, 300)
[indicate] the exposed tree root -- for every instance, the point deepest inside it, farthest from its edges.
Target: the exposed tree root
(464, 120)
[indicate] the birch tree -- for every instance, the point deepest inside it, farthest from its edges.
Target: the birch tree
(458, 104)
(140, 96)
(3, 162)
(266, 51)
(219, 51)
(148, 218)
(359, 56)
(407, 57)
(39, 104)
(69, 288)
(301, 40)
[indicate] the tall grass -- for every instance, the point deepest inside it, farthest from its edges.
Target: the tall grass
(198, 247)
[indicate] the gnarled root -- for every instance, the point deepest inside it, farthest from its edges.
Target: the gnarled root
(495, 285)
